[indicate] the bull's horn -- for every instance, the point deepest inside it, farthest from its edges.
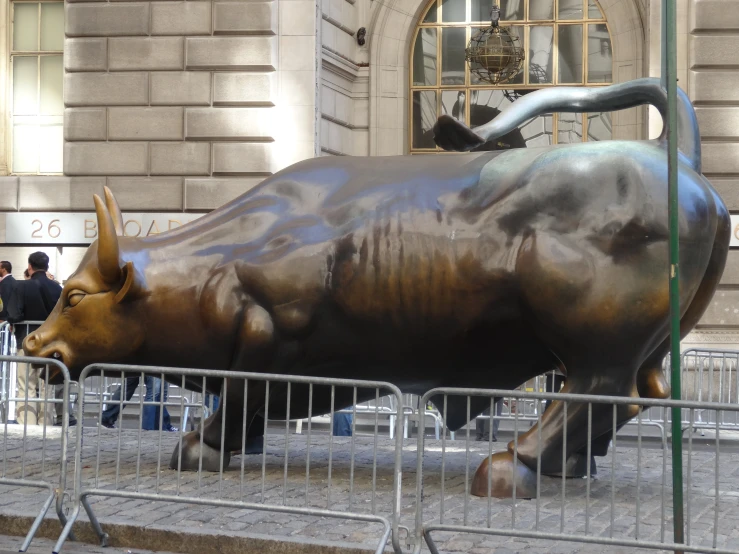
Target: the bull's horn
(115, 211)
(108, 261)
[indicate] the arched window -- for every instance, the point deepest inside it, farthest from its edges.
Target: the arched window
(567, 42)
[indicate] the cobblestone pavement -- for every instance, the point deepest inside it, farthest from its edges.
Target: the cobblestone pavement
(615, 485)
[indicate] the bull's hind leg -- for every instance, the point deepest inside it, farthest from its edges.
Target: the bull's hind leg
(500, 470)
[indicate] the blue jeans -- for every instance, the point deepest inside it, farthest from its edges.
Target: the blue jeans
(342, 425)
(211, 400)
(150, 419)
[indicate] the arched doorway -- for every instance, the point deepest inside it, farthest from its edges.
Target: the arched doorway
(567, 43)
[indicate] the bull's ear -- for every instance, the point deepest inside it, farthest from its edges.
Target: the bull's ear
(115, 211)
(108, 253)
(131, 288)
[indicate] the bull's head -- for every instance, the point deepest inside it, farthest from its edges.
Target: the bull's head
(97, 317)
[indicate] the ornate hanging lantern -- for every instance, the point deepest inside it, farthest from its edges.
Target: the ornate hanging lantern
(494, 54)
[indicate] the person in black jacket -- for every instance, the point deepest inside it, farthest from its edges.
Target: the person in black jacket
(32, 300)
(7, 286)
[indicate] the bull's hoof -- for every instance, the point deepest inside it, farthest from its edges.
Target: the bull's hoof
(500, 473)
(191, 454)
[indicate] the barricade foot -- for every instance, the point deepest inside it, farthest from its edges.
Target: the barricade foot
(192, 454)
(500, 472)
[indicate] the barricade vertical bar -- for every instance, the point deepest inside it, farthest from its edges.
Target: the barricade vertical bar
(243, 438)
(120, 430)
(689, 473)
(202, 428)
(161, 424)
(330, 445)
(564, 467)
(515, 466)
(179, 444)
(25, 426)
(224, 407)
(587, 474)
(287, 448)
(467, 464)
(538, 465)
(307, 446)
(264, 447)
(664, 479)
(374, 450)
(141, 425)
(716, 486)
(47, 387)
(638, 473)
(353, 441)
(443, 464)
(99, 425)
(613, 473)
(46, 420)
(490, 473)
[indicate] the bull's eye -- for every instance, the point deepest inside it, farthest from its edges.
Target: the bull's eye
(75, 297)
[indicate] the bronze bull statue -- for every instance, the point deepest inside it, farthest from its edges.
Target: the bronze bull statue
(471, 270)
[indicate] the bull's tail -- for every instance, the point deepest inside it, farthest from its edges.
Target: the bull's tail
(453, 135)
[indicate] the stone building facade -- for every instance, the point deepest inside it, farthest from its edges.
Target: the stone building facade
(180, 106)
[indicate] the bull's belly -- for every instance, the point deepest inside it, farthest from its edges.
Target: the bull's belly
(491, 356)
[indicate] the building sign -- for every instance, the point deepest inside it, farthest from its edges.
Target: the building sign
(81, 228)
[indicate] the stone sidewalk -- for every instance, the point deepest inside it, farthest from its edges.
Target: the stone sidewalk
(147, 471)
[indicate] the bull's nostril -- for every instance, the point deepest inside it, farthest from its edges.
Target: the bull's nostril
(30, 342)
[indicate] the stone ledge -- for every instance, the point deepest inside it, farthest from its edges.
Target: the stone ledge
(160, 538)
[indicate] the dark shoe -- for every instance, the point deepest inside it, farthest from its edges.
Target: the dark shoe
(171, 429)
(72, 422)
(480, 438)
(106, 424)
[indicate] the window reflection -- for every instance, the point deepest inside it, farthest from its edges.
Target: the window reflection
(424, 58)
(569, 128)
(541, 9)
(570, 53)
(453, 43)
(541, 58)
(600, 58)
(453, 11)
(599, 126)
(570, 9)
(424, 117)
(582, 44)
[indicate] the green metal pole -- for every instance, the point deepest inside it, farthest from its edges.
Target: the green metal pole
(677, 438)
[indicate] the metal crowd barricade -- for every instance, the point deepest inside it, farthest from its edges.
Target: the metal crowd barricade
(637, 477)
(711, 376)
(23, 465)
(100, 469)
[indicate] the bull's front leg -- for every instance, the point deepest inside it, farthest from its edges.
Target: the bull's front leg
(224, 431)
(218, 438)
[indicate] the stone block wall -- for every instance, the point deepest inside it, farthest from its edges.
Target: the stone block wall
(345, 79)
(184, 105)
(713, 87)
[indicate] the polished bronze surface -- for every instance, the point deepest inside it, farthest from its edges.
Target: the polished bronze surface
(472, 270)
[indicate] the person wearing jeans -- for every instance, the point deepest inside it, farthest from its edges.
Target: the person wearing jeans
(150, 415)
(155, 387)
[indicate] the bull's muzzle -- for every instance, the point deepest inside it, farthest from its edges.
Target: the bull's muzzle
(31, 344)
